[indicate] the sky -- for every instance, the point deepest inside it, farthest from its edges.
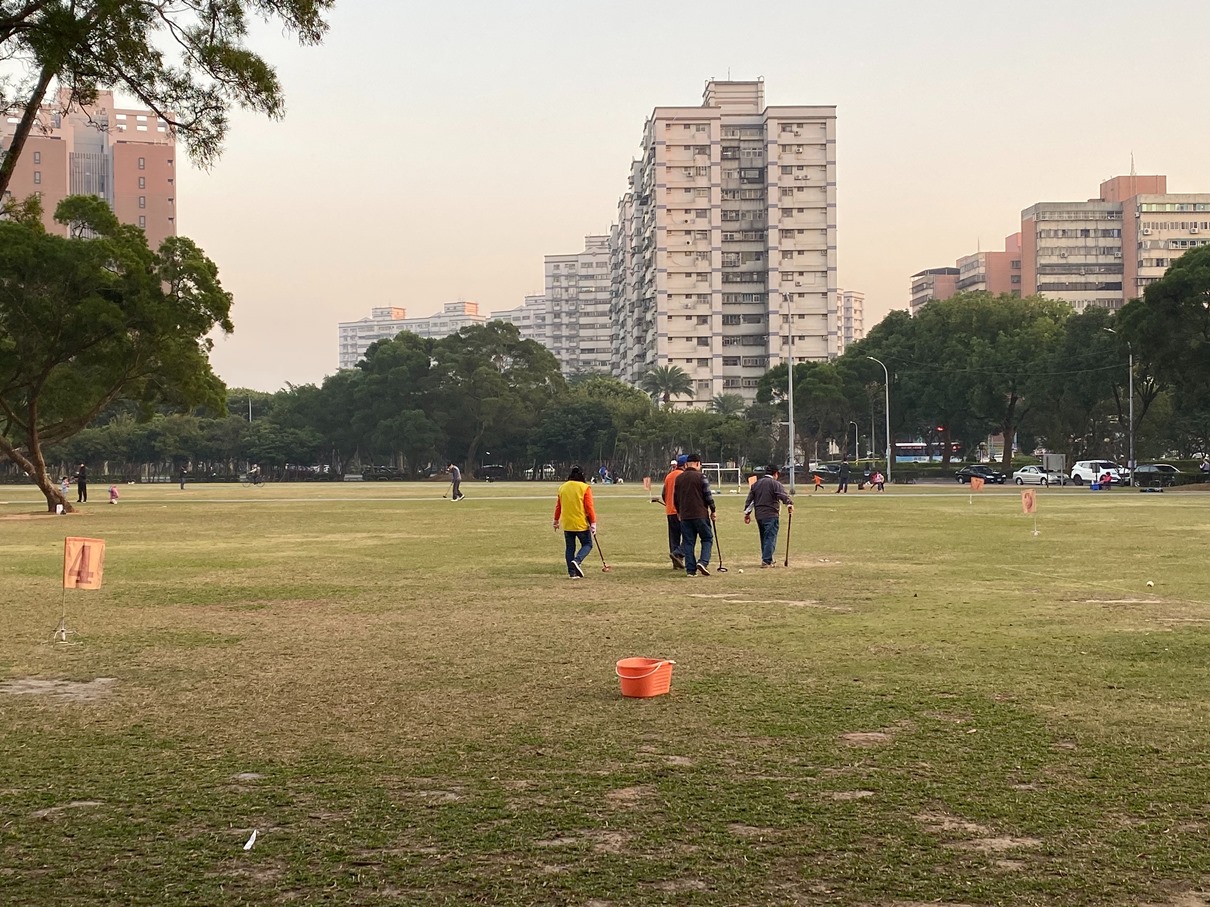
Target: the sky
(436, 152)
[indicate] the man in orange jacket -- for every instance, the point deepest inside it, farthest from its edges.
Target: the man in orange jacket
(674, 522)
(574, 512)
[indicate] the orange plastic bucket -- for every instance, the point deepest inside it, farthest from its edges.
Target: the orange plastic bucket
(644, 677)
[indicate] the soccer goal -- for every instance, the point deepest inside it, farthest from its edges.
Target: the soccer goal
(721, 476)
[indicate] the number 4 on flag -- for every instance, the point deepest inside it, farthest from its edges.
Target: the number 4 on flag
(1029, 501)
(83, 563)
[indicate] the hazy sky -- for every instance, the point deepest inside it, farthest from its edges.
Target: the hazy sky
(434, 152)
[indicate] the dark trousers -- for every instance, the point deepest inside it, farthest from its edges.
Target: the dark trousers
(584, 538)
(81, 492)
(691, 531)
(768, 538)
(674, 534)
(456, 491)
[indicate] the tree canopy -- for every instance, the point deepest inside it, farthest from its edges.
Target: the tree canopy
(187, 60)
(84, 322)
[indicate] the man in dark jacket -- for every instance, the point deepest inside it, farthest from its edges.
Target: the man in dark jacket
(82, 484)
(765, 498)
(695, 508)
(842, 478)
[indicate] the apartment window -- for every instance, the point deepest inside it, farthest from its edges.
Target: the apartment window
(142, 221)
(703, 319)
(142, 163)
(37, 177)
(37, 157)
(703, 341)
(730, 361)
(142, 201)
(142, 182)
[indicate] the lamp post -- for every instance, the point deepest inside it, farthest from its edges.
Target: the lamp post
(887, 375)
(856, 449)
(790, 398)
(1130, 406)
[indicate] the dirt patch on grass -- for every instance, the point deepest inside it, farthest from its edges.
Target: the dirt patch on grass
(791, 603)
(626, 797)
(943, 823)
(751, 832)
(53, 812)
(866, 738)
(997, 844)
(69, 690)
(680, 885)
(849, 794)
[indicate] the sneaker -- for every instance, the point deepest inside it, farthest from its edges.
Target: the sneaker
(677, 561)
(577, 569)
(702, 571)
(765, 566)
(575, 577)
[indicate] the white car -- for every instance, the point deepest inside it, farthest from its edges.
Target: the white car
(1036, 475)
(1091, 471)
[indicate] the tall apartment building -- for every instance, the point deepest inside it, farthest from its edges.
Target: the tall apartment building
(725, 242)
(578, 308)
(932, 283)
(125, 156)
(1105, 251)
(385, 322)
(850, 318)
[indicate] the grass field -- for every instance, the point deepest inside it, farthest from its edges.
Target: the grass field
(411, 704)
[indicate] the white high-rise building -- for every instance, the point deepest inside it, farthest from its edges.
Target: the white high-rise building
(726, 242)
(850, 306)
(385, 322)
(577, 301)
(531, 319)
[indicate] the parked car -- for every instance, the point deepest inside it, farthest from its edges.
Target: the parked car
(1092, 470)
(1156, 475)
(491, 472)
(829, 472)
(979, 470)
(381, 474)
(1037, 475)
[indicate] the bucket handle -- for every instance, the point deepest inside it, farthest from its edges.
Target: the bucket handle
(643, 676)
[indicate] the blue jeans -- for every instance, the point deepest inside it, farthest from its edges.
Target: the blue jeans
(584, 537)
(691, 531)
(768, 538)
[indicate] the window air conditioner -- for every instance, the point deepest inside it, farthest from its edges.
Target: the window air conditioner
(1193, 229)
(1146, 232)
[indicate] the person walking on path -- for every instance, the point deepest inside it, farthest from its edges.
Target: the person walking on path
(667, 497)
(695, 507)
(82, 484)
(455, 483)
(183, 473)
(765, 498)
(842, 478)
(574, 512)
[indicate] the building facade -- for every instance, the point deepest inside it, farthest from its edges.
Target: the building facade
(578, 308)
(850, 318)
(385, 322)
(125, 156)
(725, 242)
(531, 318)
(930, 284)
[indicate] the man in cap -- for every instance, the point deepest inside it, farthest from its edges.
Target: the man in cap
(695, 508)
(674, 522)
(765, 498)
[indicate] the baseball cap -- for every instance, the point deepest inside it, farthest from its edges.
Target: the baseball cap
(682, 460)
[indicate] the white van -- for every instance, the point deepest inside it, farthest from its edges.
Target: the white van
(1091, 471)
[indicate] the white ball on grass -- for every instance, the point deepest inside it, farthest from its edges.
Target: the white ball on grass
(1150, 584)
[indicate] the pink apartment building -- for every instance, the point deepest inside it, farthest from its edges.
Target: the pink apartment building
(125, 156)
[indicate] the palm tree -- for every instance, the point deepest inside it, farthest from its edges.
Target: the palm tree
(728, 405)
(666, 382)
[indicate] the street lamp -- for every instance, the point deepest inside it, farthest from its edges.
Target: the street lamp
(1130, 409)
(790, 397)
(887, 374)
(856, 449)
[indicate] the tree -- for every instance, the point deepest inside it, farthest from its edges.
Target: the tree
(185, 59)
(84, 322)
(728, 405)
(666, 382)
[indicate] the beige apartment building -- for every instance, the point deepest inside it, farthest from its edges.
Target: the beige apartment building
(850, 317)
(995, 272)
(531, 318)
(124, 155)
(930, 284)
(385, 322)
(725, 242)
(578, 308)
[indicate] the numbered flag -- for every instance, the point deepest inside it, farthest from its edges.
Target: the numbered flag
(83, 563)
(976, 483)
(647, 483)
(1029, 501)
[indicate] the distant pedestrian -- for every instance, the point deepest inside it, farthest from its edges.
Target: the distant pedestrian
(842, 478)
(65, 486)
(183, 473)
(667, 496)
(113, 494)
(1205, 467)
(878, 481)
(455, 482)
(765, 498)
(575, 514)
(82, 484)
(695, 507)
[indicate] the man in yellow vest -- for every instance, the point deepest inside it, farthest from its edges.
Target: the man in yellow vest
(574, 512)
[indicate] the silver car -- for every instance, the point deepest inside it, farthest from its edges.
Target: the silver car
(1036, 475)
